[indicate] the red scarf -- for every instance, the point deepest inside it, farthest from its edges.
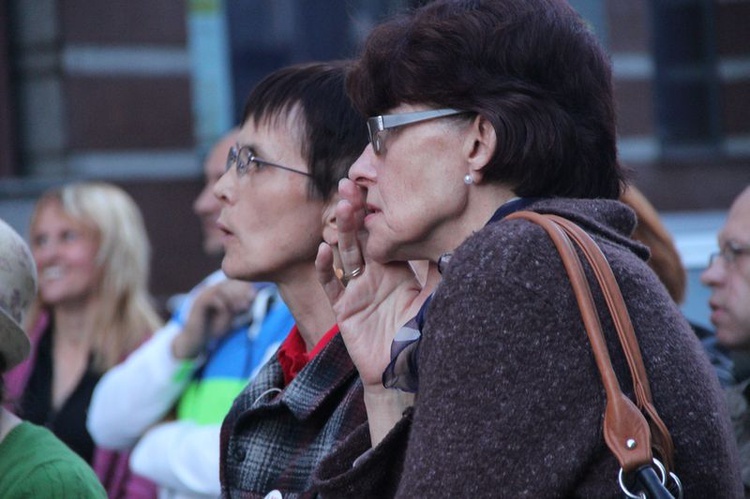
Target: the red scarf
(293, 354)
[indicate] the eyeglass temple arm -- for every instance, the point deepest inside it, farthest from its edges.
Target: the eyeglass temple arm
(388, 121)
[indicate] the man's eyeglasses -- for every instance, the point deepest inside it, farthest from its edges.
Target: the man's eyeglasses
(378, 124)
(244, 157)
(730, 253)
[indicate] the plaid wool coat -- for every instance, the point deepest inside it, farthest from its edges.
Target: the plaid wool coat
(274, 436)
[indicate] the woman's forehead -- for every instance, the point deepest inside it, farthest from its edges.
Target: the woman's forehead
(273, 132)
(289, 117)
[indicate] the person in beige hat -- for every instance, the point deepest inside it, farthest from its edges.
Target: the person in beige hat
(33, 462)
(18, 278)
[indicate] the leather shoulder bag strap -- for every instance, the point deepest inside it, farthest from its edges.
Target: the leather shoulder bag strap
(661, 439)
(626, 430)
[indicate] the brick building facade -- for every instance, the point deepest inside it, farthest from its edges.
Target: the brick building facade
(133, 91)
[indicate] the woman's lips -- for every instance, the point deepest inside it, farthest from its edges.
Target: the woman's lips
(51, 273)
(369, 209)
(226, 234)
(223, 228)
(370, 212)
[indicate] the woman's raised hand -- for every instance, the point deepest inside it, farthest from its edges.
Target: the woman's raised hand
(371, 300)
(211, 316)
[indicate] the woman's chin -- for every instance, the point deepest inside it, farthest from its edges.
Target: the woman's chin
(231, 270)
(383, 253)
(243, 272)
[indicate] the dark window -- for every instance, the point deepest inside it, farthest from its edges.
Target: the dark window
(265, 36)
(685, 80)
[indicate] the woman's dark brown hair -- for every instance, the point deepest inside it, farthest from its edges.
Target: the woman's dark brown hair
(533, 68)
(333, 134)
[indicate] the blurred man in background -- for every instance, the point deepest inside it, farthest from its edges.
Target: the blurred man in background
(728, 276)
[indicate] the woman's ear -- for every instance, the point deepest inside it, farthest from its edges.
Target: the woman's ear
(481, 142)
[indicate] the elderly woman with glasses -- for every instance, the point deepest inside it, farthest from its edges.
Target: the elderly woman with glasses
(481, 109)
(298, 138)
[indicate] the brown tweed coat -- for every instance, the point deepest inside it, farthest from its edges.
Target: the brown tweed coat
(510, 402)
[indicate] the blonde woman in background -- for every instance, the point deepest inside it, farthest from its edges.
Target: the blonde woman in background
(93, 308)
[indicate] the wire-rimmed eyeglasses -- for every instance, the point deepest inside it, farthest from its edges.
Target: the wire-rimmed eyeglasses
(244, 156)
(378, 124)
(730, 253)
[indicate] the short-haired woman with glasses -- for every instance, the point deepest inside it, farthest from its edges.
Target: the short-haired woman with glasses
(481, 108)
(298, 137)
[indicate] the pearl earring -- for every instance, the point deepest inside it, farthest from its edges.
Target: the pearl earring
(468, 180)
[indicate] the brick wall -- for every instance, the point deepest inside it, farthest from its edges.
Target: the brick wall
(709, 173)
(105, 92)
(102, 89)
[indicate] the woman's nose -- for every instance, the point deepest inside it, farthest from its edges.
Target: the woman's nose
(362, 170)
(222, 186)
(44, 253)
